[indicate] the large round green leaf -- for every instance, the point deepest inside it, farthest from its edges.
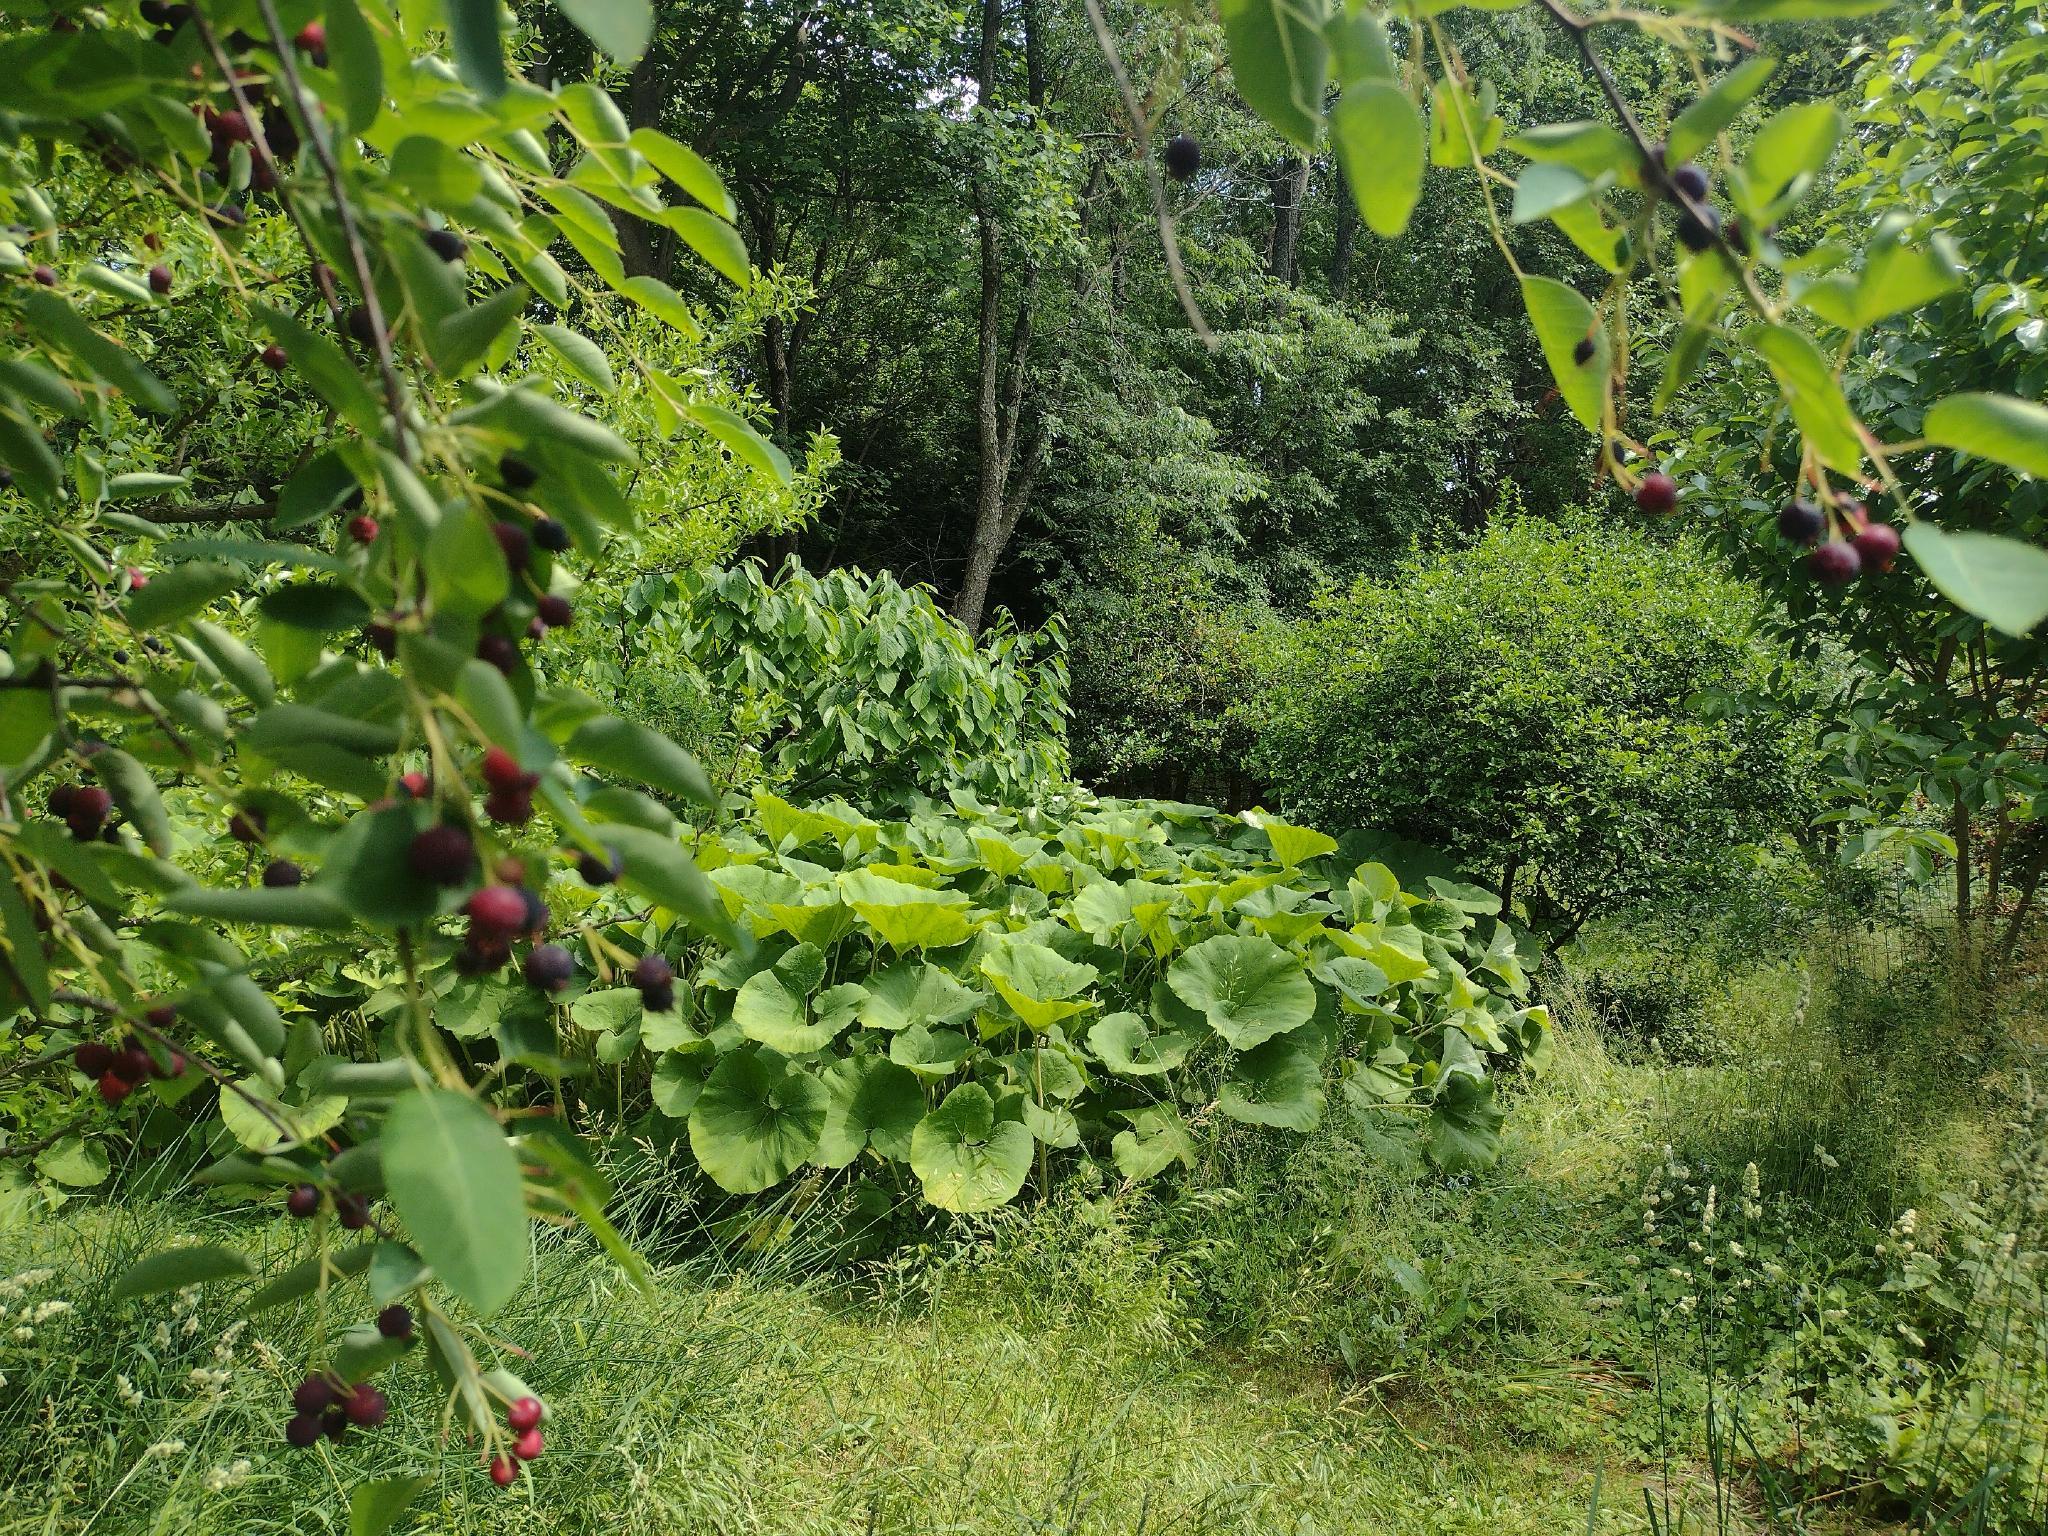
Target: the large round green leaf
(1038, 983)
(1130, 1048)
(1248, 988)
(773, 1006)
(871, 1102)
(757, 1120)
(909, 992)
(1280, 1083)
(965, 1160)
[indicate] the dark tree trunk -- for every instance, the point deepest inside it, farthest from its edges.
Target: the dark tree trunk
(1290, 186)
(1001, 369)
(1347, 240)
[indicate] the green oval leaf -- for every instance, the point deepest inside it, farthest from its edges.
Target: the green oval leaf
(454, 1179)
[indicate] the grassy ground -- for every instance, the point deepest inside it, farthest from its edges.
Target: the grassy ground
(1311, 1340)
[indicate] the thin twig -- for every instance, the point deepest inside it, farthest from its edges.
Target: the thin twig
(1167, 238)
(351, 236)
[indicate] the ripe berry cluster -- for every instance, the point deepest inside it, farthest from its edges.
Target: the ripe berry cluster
(324, 1405)
(84, 808)
(523, 1417)
(118, 1070)
(1855, 542)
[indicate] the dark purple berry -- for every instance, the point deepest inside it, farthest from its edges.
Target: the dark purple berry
(1801, 521)
(517, 473)
(1657, 493)
(501, 651)
(555, 611)
(1696, 232)
(1183, 157)
(597, 871)
(395, 1321)
(365, 1405)
(303, 1201)
(313, 1395)
(279, 874)
(513, 541)
(303, 1432)
(1690, 180)
(1834, 563)
(446, 244)
(550, 535)
(1877, 546)
(352, 1211)
(444, 855)
(549, 967)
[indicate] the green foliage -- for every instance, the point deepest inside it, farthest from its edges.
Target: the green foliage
(844, 683)
(1543, 707)
(1109, 976)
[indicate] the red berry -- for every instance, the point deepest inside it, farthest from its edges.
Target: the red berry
(529, 1445)
(312, 37)
(92, 1057)
(497, 909)
(1657, 493)
(62, 798)
(352, 1211)
(159, 279)
(174, 1067)
(313, 1396)
(231, 127)
(395, 1321)
(416, 784)
(90, 803)
(303, 1432)
(555, 612)
(114, 1087)
(503, 1470)
(363, 528)
(132, 1063)
(365, 1406)
(302, 1202)
(443, 855)
(1834, 563)
(501, 769)
(274, 357)
(523, 1413)
(162, 1016)
(1877, 546)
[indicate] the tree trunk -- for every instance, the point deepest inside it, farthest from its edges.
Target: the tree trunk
(642, 251)
(1959, 829)
(1001, 370)
(1347, 240)
(1290, 186)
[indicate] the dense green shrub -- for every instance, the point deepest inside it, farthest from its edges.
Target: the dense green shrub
(840, 684)
(1559, 707)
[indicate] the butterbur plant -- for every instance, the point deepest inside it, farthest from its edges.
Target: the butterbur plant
(334, 732)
